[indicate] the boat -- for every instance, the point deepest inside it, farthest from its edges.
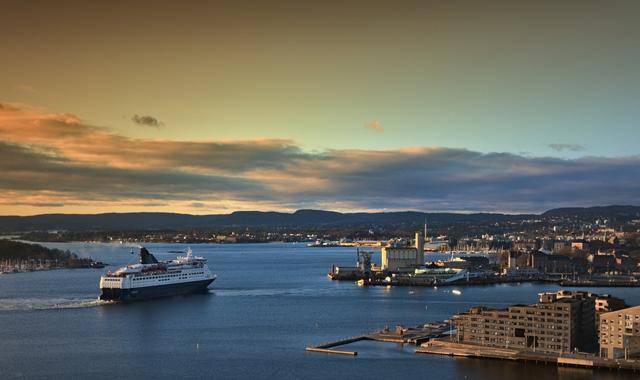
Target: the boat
(151, 278)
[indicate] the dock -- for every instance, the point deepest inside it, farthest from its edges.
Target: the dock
(327, 348)
(330, 351)
(431, 339)
(448, 348)
(401, 335)
(388, 278)
(412, 335)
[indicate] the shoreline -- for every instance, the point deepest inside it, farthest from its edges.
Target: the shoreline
(466, 350)
(380, 280)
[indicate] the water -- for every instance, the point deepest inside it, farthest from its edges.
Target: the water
(269, 302)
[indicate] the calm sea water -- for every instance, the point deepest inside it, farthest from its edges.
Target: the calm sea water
(269, 302)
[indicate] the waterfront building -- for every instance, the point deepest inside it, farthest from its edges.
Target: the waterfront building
(620, 333)
(551, 263)
(560, 322)
(394, 258)
(517, 260)
(625, 263)
(602, 262)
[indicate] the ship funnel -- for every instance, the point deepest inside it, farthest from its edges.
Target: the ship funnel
(146, 257)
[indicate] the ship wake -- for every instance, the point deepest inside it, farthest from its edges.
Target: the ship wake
(25, 304)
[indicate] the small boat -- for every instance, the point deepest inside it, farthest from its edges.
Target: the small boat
(360, 282)
(456, 292)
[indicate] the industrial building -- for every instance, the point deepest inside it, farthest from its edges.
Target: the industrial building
(620, 333)
(561, 322)
(395, 258)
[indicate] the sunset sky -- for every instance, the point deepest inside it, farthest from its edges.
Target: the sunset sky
(212, 107)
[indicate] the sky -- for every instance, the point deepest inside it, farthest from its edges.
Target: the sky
(217, 106)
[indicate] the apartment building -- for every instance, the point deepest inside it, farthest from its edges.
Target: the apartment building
(560, 322)
(620, 333)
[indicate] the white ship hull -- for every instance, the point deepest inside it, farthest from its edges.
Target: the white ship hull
(154, 279)
(157, 291)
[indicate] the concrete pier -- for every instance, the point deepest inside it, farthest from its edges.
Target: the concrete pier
(329, 351)
(412, 335)
(327, 347)
(441, 347)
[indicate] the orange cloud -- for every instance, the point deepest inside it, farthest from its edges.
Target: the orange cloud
(57, 162)
(376, 126)
(27, 89)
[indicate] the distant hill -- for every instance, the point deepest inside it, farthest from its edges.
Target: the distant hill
(300, 218)
(613, 211)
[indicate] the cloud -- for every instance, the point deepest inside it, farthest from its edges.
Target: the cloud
(147, 121)
(48, 204)
(375, 125)
(27, 170)
(27, 89)
(8, 107)
(55, 158)
(567, 147)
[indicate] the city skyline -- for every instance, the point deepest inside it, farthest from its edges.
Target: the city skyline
(215, 107)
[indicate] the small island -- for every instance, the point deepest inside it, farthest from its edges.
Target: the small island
(22, 257)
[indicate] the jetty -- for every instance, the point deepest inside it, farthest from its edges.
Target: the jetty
(400, 335)
(327, 348)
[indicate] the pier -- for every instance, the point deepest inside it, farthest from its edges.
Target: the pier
(590, 361)
(431, 339)
(401, 335)
(327, 348)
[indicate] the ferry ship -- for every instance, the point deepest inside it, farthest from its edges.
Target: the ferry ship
(152, 278)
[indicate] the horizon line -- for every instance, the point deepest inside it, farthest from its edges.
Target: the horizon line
(323, 210)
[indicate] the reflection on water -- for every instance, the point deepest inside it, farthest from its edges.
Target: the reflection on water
(479, 369)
